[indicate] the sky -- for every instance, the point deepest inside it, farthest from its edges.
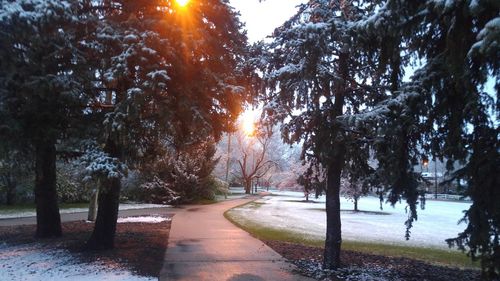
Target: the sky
(261, 18)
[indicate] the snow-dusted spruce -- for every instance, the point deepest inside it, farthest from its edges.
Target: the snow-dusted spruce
(97, 164)
(335, 75)
(316, 73)
(42, 78)
(160, 191)
(456, 53)
(165, 74)
(181, 175)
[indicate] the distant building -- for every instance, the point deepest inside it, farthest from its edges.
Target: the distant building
(434, 174)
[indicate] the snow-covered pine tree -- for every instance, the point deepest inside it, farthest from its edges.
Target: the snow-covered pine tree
(448, 107)
(316, 74)
(443, 110)
(42, 78)
(168, 74)
(186, 173)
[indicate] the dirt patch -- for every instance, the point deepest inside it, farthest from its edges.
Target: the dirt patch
(139, 247)
(303, 201)
(309, 259)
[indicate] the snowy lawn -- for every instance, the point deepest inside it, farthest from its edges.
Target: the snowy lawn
(287, 211)
(50, 260)
(37, 262)
(8, 214)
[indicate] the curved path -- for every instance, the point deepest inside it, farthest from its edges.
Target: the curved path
(204, 246)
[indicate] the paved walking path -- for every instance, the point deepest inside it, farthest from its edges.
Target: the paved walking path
(78, 216)
(204, 246)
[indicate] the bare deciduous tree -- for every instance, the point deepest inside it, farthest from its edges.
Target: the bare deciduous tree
(254, 161)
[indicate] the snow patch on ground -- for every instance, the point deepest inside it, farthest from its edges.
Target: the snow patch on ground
(37, 262)
(23, 214)
(287, 211)
(145, 219)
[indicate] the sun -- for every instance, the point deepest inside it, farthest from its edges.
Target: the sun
(182, 3)
(248, 119)
(248, 126)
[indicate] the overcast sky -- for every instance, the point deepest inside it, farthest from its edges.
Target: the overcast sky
(261, 18)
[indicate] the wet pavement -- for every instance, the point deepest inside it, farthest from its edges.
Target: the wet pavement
(204, 246)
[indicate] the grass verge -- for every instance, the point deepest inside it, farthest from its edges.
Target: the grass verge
(430, 255)
(4, 209)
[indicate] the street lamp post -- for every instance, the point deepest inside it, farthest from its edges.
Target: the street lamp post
(425, 162)
(227, 161)
(435, 179)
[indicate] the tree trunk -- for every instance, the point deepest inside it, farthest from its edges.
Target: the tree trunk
(333, 225)
(248, 186)
(48, 220)
(93, 205)
(355, 203)
(10, 197)
(103, 236)
(331, 258)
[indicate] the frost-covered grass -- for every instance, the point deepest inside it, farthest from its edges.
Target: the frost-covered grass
(37, 262)
(20, 211)
(286, 217)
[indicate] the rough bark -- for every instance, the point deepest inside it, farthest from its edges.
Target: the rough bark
(93, 205)
(333, 224)
(331, 258)
(103, 236)
(48, 218)
(248, 186)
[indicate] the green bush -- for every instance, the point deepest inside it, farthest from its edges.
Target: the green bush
(185, 172)
(212, 187)
(70, 187)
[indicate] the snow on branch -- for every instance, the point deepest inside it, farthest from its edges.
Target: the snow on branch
(98, 163)
(487, 38)
(378, 112)
(34, 10)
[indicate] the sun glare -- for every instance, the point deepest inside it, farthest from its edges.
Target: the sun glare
(248, 119)
(248, 127)
(182, 3)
